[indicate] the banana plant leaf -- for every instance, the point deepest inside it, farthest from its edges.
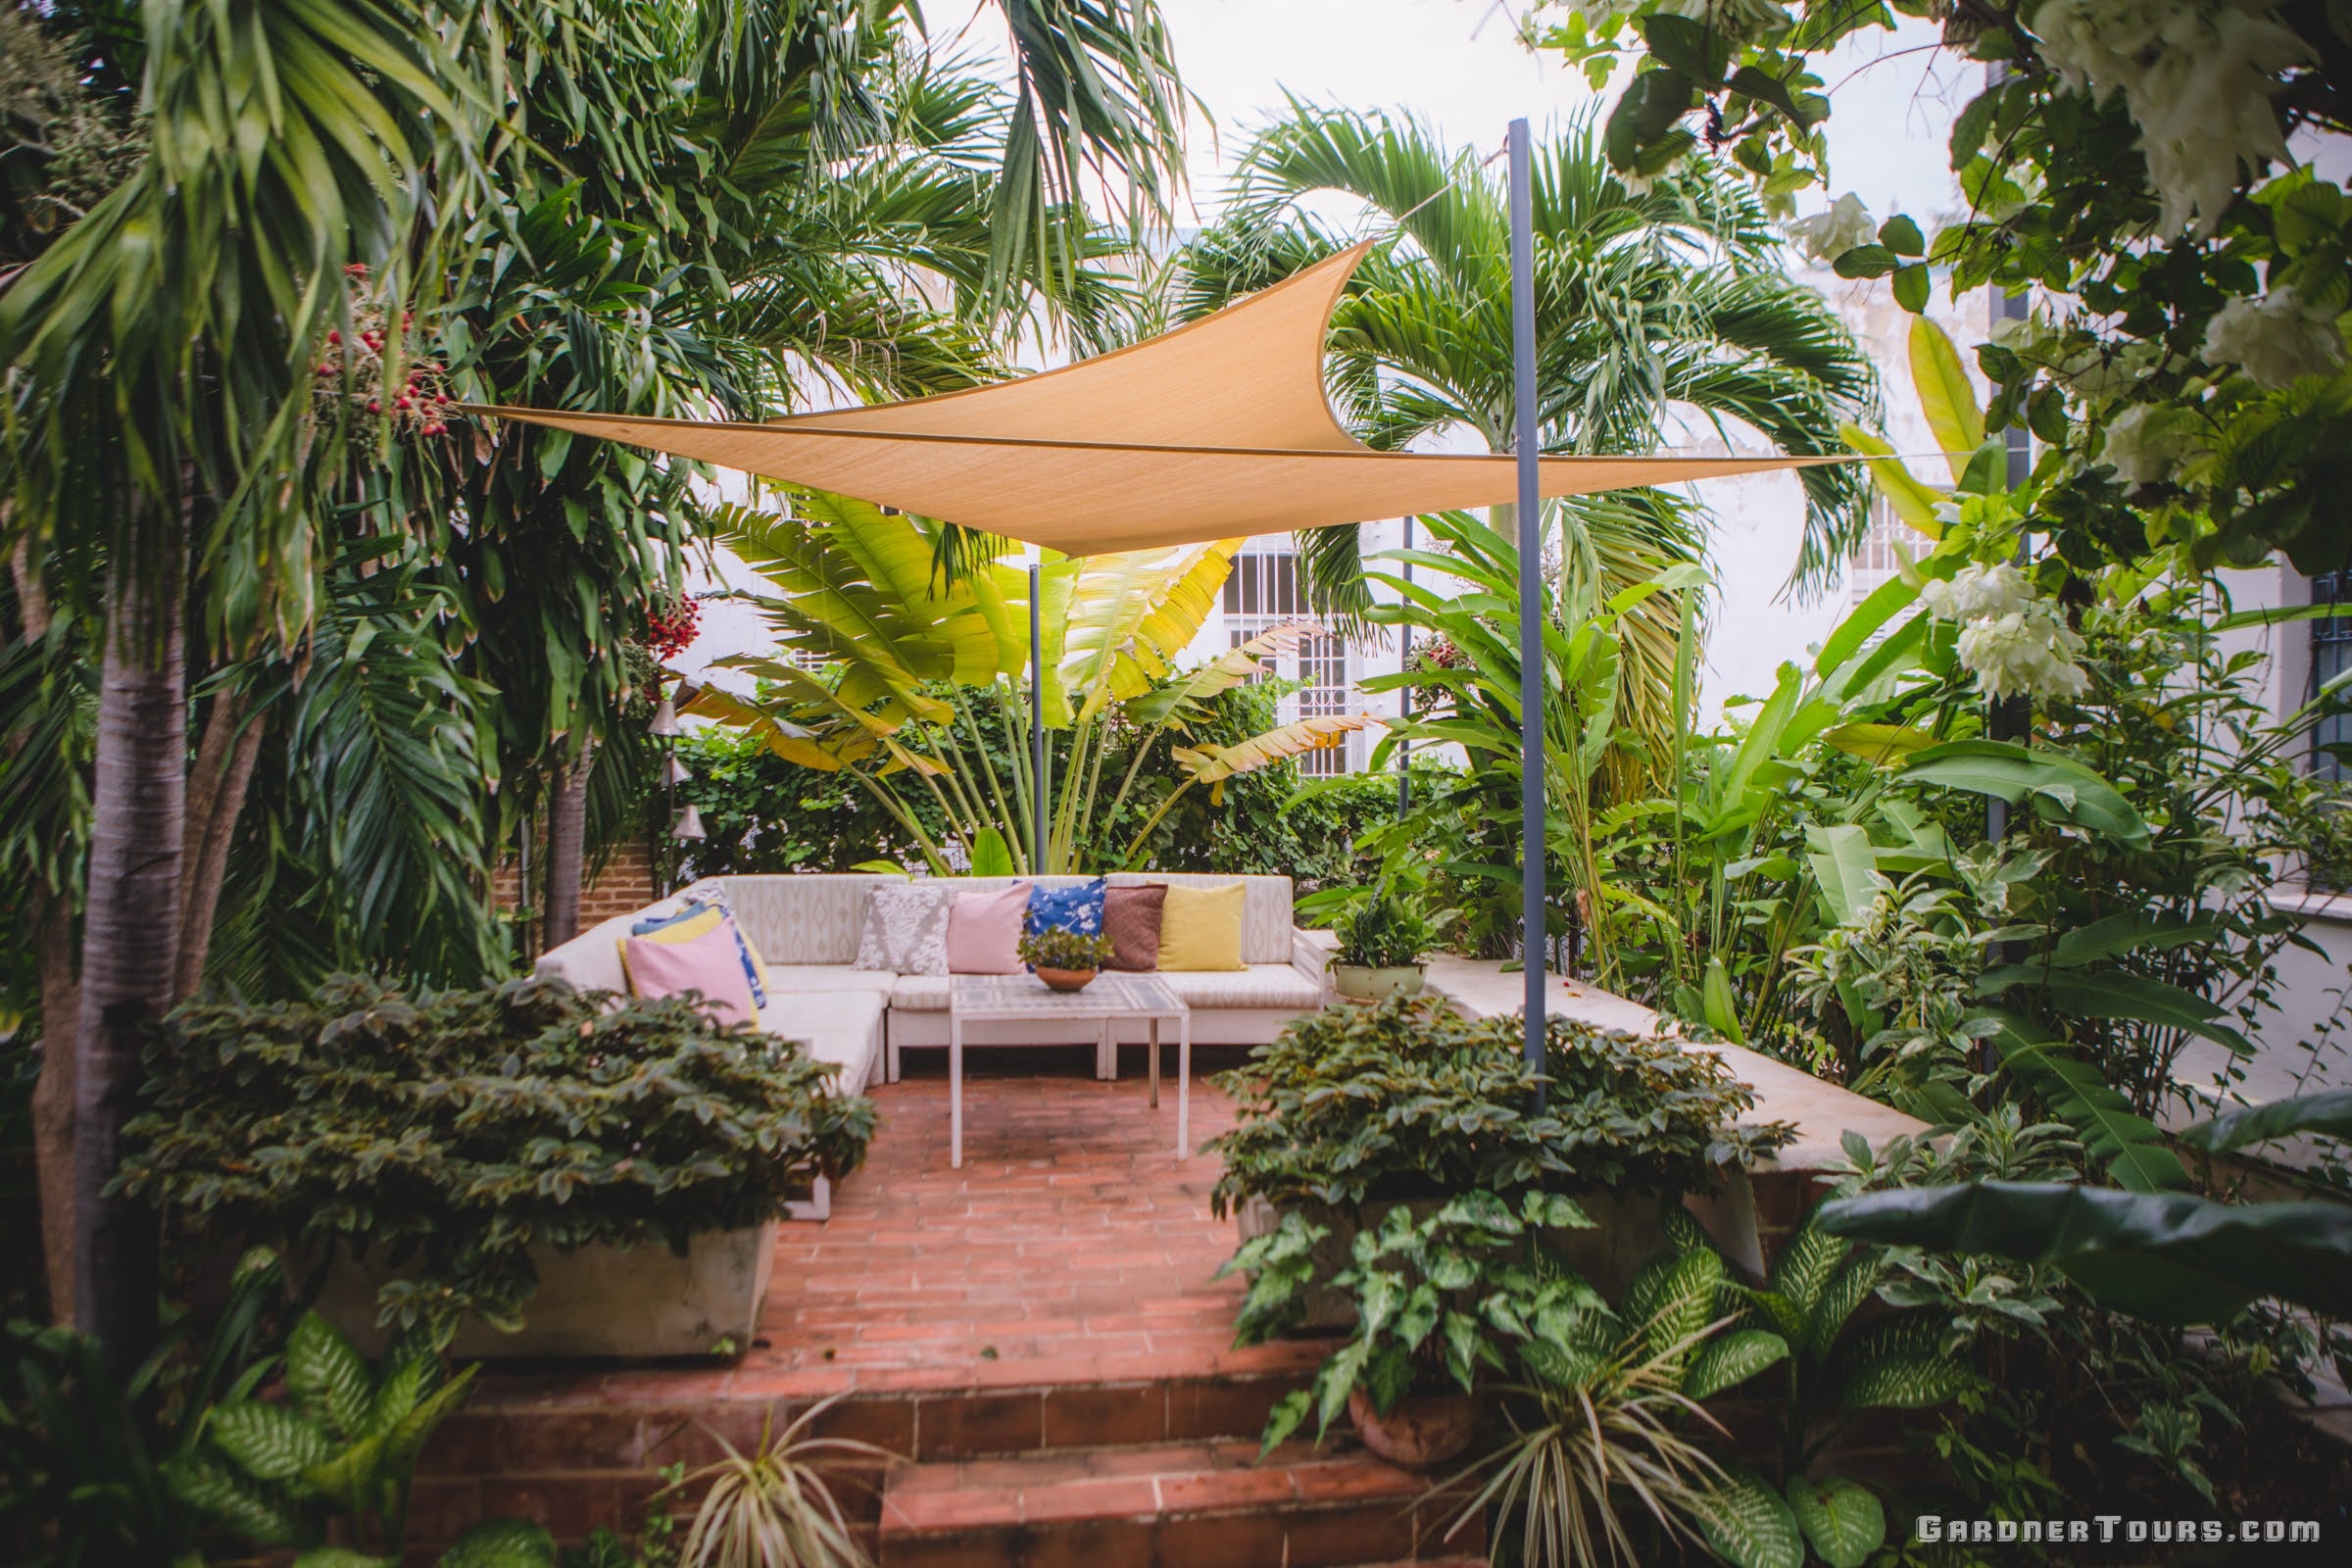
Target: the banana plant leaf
(2169, 1257)
(2328, 1114)
(2059, 790)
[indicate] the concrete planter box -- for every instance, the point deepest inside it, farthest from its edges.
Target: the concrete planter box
(633, 1303)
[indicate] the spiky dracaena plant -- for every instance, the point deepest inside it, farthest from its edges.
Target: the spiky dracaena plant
(772, 1507)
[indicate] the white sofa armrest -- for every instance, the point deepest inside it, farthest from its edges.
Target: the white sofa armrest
(1311, 953)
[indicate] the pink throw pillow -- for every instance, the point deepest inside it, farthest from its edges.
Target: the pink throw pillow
(984, 931)
(711, 963)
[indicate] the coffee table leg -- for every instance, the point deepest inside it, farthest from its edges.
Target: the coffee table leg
(1154, 1047)
(955, 1093)
(1183, 1085)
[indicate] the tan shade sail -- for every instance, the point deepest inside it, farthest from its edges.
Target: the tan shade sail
(1219, 429)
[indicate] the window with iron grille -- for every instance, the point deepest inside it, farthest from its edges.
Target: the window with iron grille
(2331, 657)
(1875, 559)
(1266, 591)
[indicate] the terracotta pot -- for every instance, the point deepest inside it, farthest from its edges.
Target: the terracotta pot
(1420, 1432)
(1357, 983)
(1066, 979)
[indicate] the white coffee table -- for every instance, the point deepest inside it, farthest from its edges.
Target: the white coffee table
(1111, 998)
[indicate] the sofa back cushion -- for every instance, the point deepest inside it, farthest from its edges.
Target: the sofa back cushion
(710, 963)
(1265, 907)
(906, 928)
(818, 917)
(1201, 928)
(984, 930)
(1131, 919)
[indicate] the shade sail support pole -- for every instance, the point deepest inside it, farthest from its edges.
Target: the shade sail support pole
(1404, 694)
(1036, 726)
(1530, 582)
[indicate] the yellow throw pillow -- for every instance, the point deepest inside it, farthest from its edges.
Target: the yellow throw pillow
(1201, 928)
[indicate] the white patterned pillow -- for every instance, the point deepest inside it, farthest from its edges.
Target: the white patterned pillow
(905, 929)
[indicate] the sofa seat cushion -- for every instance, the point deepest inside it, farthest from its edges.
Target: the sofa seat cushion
(843, 1027)
(1260, 984)
(920, 993)
(787, 980)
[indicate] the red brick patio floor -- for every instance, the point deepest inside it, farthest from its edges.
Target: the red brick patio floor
(1072, 1248)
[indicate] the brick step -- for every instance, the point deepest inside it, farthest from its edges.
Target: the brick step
(1170, 1505)
(512, 1434)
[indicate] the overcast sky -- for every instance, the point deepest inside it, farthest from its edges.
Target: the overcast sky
(1459, 65)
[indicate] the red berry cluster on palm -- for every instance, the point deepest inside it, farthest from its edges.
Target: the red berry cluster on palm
(421, 404)
(670, 628)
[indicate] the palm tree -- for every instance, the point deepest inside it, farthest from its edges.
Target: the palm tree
(159, 359)
(1647, 302)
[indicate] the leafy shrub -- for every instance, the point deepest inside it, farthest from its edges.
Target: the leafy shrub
(1443, 1297)
(1385, 929)
(1408, 1099)
(457, 1129)
(763, 814)
(1060, 948)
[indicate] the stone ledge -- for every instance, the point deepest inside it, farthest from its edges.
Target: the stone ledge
(1821, 1113)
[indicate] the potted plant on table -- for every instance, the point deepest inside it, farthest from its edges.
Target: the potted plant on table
(1064, 960)
(1381, 937)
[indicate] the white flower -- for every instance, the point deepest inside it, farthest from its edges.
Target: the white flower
(1825, 236)
(2275, 338)
(1977, 591)
(2198, 78)
(2030, 651)
(2012, 638)
(2147, 441)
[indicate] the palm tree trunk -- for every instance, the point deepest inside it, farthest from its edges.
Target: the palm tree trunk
(51, 917)
(217, 787)
(53, 1099)
(130, 932)
(566, 849)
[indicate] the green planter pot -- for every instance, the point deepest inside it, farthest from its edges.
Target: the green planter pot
(1357, 983)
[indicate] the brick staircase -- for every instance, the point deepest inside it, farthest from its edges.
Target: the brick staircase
(1161, 1472)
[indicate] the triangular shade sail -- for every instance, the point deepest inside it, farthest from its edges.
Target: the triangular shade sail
(1219, 429)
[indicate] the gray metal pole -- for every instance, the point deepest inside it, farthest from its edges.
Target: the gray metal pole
(1037, 728)
(1404, 695)
(1531, 598)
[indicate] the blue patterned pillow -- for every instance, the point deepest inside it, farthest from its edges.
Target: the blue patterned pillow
(1078, 908)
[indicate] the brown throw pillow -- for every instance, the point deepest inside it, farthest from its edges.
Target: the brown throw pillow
(1131, 919)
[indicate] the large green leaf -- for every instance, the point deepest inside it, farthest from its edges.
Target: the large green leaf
(1730, 1360)
(2128, 932)
(2170, 1258)
(1846, 869)
(1945, 395)
(1803, 1270)
(2120, 994)
(1749, 1525)
(1842, 1518)
(2100, 1114)
(501, 1544)
(2328, 1114)
(990, 856)
(327, 1378)
(270, 1440)
(255, 1512)
(1914, 503)
(2060, 790)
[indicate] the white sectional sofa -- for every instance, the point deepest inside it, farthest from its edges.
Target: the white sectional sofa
(808, 927)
